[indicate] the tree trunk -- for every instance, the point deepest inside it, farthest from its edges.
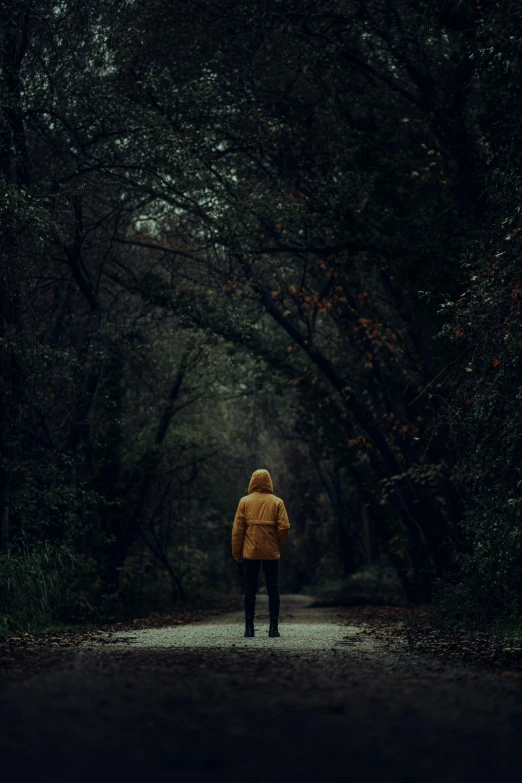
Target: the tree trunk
(14, 171)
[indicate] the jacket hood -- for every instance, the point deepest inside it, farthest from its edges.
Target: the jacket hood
(261, 481)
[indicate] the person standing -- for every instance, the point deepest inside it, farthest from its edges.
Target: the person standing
(259, 532)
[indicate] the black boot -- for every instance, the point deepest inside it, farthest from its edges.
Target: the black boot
(249, 625)
(273, 631)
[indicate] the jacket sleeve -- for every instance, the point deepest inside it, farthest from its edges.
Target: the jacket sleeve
(282, 523)
(238, 532)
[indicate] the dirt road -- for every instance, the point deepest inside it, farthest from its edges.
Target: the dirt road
(202, 703)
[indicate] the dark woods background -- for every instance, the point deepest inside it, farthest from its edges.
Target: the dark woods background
(278, 234)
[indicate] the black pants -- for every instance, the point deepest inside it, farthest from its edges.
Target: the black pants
(250, 576)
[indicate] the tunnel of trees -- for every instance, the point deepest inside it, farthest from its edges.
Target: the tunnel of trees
(259, 233)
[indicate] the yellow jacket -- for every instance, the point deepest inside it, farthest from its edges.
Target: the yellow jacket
(261, 523)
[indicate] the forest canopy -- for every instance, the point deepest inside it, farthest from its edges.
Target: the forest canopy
(244, 234)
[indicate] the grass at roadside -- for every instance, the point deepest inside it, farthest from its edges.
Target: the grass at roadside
(373, 586)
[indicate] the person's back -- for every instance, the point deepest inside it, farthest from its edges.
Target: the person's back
(259, 531)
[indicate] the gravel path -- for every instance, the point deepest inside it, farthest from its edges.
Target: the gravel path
(303, 629)
(323, 702)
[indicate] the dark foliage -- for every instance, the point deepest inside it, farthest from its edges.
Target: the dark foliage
(258, 234)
